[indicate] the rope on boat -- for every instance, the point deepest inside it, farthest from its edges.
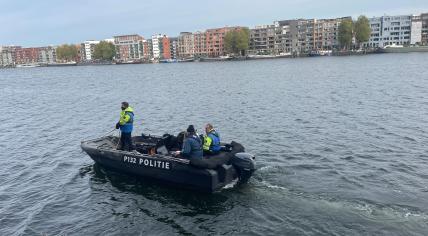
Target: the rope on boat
(118, 141)
(104, 135)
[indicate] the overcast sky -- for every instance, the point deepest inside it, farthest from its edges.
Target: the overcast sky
(49, 22)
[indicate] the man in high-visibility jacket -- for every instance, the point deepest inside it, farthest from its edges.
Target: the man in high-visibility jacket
(211, 141)
(126, 125)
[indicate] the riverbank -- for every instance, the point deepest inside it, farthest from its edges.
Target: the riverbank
(222, 59)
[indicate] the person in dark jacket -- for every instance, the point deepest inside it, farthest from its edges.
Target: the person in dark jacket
(125, 125)
(192, 146)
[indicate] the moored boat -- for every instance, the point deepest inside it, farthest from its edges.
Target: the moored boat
(318, 53)
(153, 158)
(27, 65)
(186, 60)
(168, 61)
(259, 57)
(71, 63)
(129, 62)
(403, 49)
(212, 59)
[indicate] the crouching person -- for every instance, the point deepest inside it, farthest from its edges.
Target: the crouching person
(192, 146)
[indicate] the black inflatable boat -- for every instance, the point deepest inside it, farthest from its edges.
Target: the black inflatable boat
(152, 159)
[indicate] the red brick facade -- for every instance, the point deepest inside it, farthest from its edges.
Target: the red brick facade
(166, 48)
(215, 40)
(27, 55)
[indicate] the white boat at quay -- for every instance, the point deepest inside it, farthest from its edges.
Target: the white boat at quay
(27, 65)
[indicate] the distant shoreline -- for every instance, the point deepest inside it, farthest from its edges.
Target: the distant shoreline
(204, 60)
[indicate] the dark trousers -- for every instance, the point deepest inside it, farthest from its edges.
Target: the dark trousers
(126, 142)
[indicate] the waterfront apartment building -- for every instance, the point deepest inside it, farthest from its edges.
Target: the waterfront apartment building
(295, 36)
(164, 48)
(26, 56)
(424, 31)
(186, 45)
(209, 43)
(16, 55)
(390, 30)
(47, 55)
(200, 44)
(148, 49)
(7, 56)
(161, 47)
(155, 45)
(326, 33)
(215, 40)
(416, 30)
(263, 40)
(87, 49)
(307, 35)
(129, 47)
(299, 36)
(174, 47)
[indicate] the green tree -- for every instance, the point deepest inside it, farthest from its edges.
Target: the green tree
(104, 51)
(346, 33)
(229, 42)
(237, 41)
(66, 52)
(362, 30)
(243, 40)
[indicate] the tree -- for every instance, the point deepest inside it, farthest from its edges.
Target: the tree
(66, 52)
(346, 33)
(362, 30)
(229, 42)
(104, 51)
(237, 41)
(243, 40)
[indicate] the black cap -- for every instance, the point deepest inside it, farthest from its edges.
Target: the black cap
(191, 129)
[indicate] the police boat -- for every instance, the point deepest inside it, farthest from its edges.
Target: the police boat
(153, 158)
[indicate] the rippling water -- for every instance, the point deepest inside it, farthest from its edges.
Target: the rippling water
(341, 145)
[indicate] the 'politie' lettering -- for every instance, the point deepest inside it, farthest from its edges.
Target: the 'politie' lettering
(147, 162)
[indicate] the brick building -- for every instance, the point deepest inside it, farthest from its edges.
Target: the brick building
(129, 47)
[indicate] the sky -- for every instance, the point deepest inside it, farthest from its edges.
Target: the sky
(53, 22)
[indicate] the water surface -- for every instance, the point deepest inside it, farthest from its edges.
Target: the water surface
(341, 145)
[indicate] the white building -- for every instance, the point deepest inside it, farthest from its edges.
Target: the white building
(416, 30)
(47, 55)
(87, 49)
(155, 45)
(7, 56)
(389, 30)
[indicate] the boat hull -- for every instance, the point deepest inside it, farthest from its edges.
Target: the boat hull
(404, 49)
(178, 172)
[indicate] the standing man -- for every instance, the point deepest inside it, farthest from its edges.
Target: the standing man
(211, 141)
(126, 124)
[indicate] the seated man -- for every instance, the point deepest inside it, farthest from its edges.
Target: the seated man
(192, 146)
(211, 141)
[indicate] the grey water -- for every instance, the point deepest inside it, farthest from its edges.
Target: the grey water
(341, 145)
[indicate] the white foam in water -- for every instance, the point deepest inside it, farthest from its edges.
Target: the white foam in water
(231, 184)
(266, 184)
(380, 212)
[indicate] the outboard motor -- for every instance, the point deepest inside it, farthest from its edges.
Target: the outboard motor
(245, 165)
